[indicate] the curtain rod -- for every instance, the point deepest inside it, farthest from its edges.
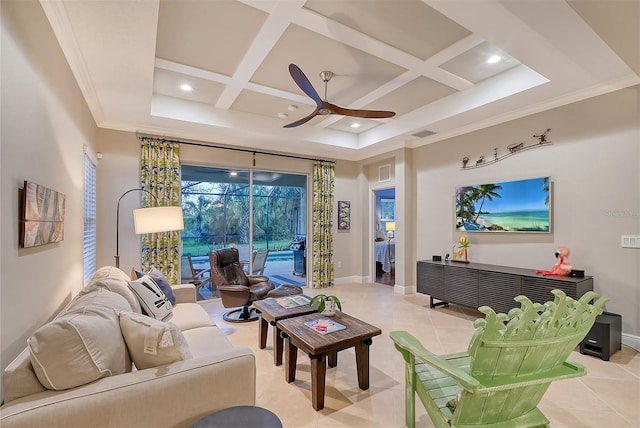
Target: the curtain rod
(237, 149)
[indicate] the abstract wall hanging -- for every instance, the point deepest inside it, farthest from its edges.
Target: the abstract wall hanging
(344, 215)
(43, 215)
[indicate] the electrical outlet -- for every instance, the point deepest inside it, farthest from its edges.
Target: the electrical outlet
(630, 241)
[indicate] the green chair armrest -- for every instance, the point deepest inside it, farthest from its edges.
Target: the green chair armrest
(408, 344)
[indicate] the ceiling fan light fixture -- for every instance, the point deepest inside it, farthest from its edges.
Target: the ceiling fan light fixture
(324, 107)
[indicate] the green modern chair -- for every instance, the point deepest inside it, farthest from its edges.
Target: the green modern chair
(511, 361)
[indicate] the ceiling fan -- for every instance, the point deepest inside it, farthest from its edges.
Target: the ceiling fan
(324, 107)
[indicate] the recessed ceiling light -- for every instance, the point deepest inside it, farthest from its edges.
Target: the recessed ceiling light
(186, 87)
(283, 115)
(493, 59)
(355, 125)
(293, 107)
(233, 173)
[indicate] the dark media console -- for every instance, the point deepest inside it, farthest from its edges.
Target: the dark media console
(477, 284)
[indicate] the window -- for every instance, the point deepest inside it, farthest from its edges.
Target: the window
(89, 217)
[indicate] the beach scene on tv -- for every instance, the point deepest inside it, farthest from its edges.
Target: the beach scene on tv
(512, 206)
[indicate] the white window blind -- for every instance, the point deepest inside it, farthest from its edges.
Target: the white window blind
(89, 217)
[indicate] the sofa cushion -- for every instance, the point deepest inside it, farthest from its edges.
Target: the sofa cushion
(189, 315)
(152, 343)
(153, 301)
(206, 341)
(161, 280)
(112, 279)
(83, 345)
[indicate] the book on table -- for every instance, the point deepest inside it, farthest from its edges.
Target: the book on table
(292, 301)
(324, 325)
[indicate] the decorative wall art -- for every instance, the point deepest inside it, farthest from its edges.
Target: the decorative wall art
(43, 215)
(512, 150)
(512, 206)
(344, 215)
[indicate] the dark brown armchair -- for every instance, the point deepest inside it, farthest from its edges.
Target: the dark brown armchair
(235, 287)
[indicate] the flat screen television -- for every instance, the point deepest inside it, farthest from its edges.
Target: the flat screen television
(510, 206)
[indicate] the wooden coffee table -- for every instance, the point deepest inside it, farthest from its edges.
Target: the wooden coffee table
(323, 347)
(270, 313)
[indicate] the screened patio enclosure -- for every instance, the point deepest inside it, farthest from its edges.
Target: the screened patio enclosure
(248, 209)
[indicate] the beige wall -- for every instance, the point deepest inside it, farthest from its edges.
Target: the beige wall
(45, 127)
(594, 164)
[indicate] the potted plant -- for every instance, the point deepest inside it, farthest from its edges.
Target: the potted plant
(326, 304)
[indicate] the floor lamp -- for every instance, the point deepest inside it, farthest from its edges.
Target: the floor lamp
(149, 220)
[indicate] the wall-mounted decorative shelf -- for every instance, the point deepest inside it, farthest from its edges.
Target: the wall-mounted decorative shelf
(512, 150)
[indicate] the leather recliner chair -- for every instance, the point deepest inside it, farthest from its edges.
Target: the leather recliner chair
(235, 287)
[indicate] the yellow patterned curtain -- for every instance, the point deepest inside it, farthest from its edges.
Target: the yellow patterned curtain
(160, 175)
(323, 184)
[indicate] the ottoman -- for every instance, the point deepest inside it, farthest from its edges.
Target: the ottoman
(285, 290)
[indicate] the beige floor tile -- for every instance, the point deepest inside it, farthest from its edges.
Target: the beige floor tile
(607, 397)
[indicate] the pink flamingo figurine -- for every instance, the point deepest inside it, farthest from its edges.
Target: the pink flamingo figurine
(562, 267)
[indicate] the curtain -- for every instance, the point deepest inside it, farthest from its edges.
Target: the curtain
(323, 185)
(160, 175)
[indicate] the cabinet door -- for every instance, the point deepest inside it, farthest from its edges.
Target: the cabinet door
(431, 280)
(498, 290)
(461, 286)
(538, 290)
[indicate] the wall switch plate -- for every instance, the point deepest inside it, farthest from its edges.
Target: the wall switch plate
(630, 241)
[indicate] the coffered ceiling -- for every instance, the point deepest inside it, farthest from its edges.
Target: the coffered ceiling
(425, 60)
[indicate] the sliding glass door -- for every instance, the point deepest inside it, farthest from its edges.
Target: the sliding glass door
(252, 210)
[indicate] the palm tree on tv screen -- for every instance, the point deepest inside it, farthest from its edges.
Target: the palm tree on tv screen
(486, 192)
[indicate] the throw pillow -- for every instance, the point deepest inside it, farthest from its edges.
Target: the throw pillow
(162, 282)
(112, 279)
(82, 345)
(152, 343)
(153, 301)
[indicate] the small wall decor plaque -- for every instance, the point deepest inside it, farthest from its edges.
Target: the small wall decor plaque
(43, 215)
(344, 215)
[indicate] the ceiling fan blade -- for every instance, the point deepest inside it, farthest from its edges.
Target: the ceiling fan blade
(303, 120)
(304, 84)
(370, 114)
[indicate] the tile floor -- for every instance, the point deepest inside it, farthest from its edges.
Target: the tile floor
(608, 396)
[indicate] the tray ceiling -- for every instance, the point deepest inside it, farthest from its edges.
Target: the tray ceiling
(425, 60)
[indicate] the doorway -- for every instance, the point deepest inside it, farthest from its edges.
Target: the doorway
(384, 236)
(255, 211)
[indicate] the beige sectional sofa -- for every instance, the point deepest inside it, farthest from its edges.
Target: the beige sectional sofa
(77, 370)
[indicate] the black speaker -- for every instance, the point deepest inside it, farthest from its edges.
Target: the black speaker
(436, 258)
(604, 338)
(576, 273)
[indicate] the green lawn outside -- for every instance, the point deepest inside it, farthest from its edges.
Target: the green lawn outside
(191, 248)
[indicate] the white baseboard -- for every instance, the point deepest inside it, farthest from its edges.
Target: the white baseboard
(631, 341)
(404, 290)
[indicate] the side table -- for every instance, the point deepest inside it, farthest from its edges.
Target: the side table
(270, 313)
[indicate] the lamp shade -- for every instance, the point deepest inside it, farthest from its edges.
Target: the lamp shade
(391, 226)
(157, 219)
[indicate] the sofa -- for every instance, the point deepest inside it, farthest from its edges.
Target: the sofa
(98, 364)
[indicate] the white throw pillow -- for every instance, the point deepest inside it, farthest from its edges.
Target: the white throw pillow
(82, 345)
(153, 301)
(113, 279)
(152, 343)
